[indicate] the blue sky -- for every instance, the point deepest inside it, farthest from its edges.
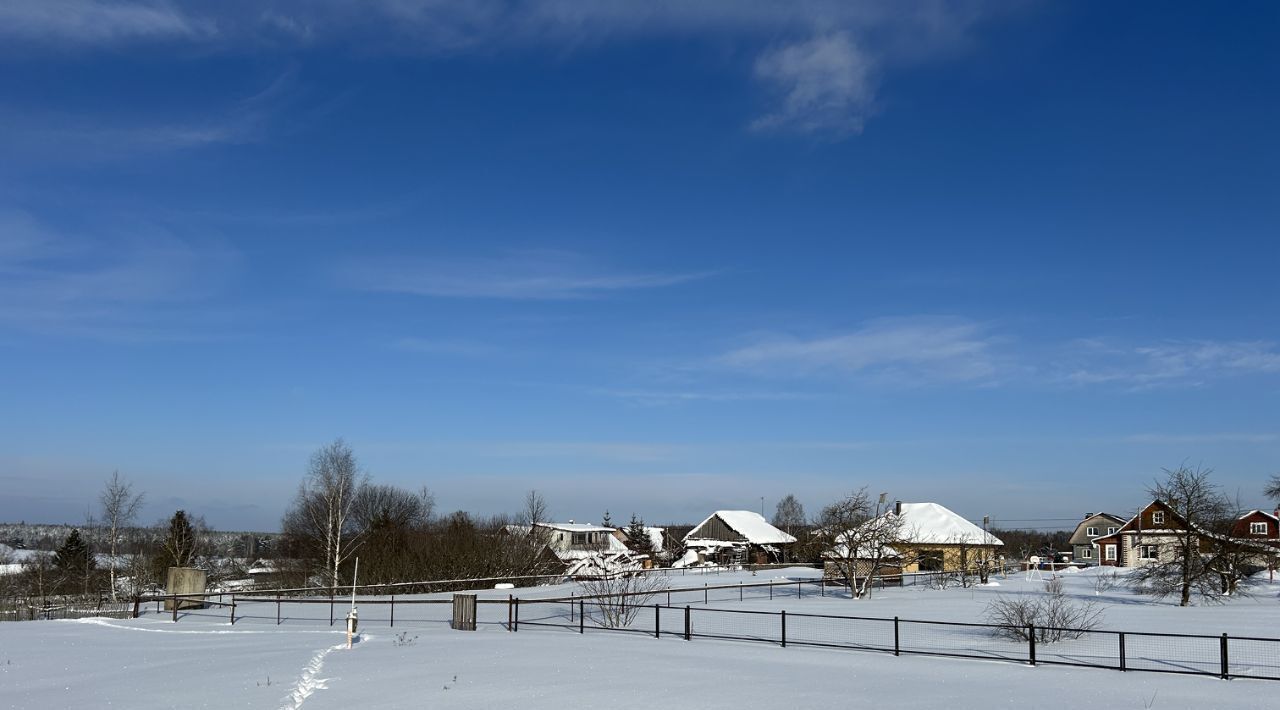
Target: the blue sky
(662, 257)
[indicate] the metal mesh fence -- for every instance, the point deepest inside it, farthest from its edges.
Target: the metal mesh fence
(1173, 653)
(840, 632)
(1093, 649)
(1253, 658)
(700, 613)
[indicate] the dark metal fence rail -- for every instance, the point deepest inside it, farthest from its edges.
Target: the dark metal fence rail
(1221, 656)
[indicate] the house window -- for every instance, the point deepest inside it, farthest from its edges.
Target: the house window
(581, 538)
(1109, 553)
(1091, 531)
(1111, 531)
(1147, 552)
(1157, 518)
(931, 560)
(1086, 553)
(1257, 528)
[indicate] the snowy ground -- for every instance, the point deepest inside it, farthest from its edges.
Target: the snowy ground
(202, 661)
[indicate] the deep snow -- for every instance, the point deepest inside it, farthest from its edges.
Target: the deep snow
(202, 661)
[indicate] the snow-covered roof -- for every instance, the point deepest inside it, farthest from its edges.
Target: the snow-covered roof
(935, 524)
(749, 524)
(576, 527)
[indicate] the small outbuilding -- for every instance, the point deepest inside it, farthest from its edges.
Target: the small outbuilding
(737, 537)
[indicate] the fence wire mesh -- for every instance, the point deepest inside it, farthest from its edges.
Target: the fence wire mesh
(1253, 658)
(1173, 653)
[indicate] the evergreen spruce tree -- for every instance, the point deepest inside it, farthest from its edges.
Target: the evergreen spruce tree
(73, 558)
(180, 545)
(606, 522)
(639, 537)
(73, 563)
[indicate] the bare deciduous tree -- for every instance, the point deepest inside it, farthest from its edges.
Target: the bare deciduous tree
(1272, 490)
(1183, 565)
(120, 506)
(323, 512)
(535, 509)
(789, 515)
(858, 535)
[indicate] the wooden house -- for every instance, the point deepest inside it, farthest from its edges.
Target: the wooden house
(737, 537)
(1092, 527)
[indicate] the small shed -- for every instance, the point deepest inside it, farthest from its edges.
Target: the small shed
(736, 537)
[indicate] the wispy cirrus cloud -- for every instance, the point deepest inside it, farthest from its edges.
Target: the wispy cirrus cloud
(96, 22)
(63, 135)
(137, 283)
(814, 58)
(1168, 363)
(917, 349)
(527, 275)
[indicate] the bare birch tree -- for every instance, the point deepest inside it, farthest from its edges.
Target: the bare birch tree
(323, 512)
(120, 506)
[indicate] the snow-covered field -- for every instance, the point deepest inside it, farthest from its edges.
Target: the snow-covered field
(203, 661)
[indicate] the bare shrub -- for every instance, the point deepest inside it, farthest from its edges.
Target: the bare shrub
(1105, 581)
(1053, 615)
(613, 601)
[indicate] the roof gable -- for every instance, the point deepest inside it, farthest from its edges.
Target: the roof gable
(747, 523)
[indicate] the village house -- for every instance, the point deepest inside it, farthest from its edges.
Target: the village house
(1152, 536)
(929, 538)
(1093, 526)
(584, 548)
(730, 537)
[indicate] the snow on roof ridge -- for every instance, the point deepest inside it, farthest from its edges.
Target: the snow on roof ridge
(748, 524)
(935, 523)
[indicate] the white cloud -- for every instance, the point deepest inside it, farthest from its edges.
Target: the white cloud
(819, 65)
(529, 275)
(908, 349)
(126, 285)
(97, 22)
(825, 83)
(1169, 363)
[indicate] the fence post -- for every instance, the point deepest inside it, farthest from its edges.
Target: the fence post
(136, 602)
(799, 589)
(509, 616)
(331, 607)
(657, 621)
(705, 596)
(393, 610)
(515, 626)
(739, 591)
(1122, 661)
(571, 607)
(582, 615)
(175, 608)
(277, 608)
(897, 647)
(669, 596)
(1031, 639)
(784, 628)
(771, 590)
(233, 610)
(687, 625)
(1225, 669)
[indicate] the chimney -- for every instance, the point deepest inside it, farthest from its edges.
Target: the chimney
(1088, 515)
(571, 521)
(897, 507)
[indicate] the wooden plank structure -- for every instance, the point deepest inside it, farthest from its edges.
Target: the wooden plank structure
(464, 611)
